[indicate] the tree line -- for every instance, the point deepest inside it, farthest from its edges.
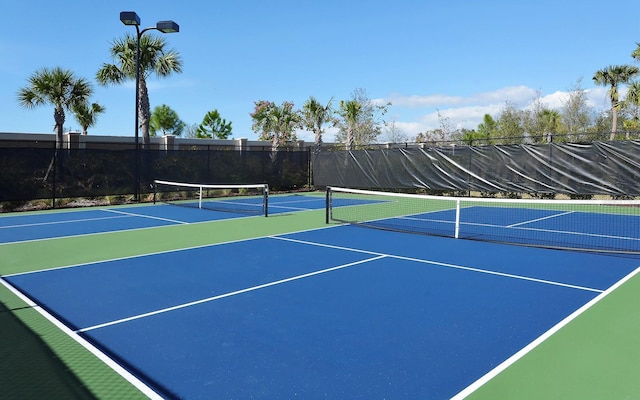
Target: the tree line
(574, 122)
(357, 121)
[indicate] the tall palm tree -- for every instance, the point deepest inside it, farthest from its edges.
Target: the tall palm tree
(636, 53)
(154, 59)
(57, 87)
(87, 114)
(613, 76)
(633, 98)
(350, 110)
(315, 116)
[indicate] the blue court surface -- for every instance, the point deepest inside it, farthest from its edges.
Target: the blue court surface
(25, 227)
(336, 313)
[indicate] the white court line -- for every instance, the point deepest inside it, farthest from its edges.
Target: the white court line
(138, 384)
(522, 352)
(595, 235)
(292, 208)
(307, 200)
(69, 221)
(116, 231)
(540, 219)
(145, 216)
(447, 265)
(237, 292)
(521, 228)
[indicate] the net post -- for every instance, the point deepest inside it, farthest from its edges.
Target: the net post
(457, 231)
(155, 191)
(265, 192)
(327, 205)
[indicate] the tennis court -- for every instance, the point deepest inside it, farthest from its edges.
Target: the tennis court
(30, 226)
(230, 306)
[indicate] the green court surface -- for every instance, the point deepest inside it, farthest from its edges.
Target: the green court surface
(595, 356)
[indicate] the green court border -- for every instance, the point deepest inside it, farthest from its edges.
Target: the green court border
(596, 356)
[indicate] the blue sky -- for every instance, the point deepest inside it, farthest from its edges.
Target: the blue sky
(461, 59)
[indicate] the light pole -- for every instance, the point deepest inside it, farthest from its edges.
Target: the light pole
(131, 18)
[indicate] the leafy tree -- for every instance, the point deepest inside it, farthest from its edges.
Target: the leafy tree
(154, 59)
(315, 116)
(601, 123)
(166, 120)
(576, 115)
(445, 132)
(613, 76)
(434, 137)
(394, 134)
(368, 124)
(275, 123)
(87, 114)
(471, 137)
(533, 118)
(487, 129)
(191, 131)
(541, 122)
(57, 87)
(509, 124)
(213, 126)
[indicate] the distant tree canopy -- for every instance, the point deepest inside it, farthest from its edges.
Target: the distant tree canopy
(315, 116)
(360, 120)
(213, 126)
(165, 121)
(275, 123)
(87, 114)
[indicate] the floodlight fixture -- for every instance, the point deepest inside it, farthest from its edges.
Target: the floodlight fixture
(130, 18)
(167, 27)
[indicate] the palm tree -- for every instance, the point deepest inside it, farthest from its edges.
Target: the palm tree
(350, 110)
(550, 120)
(58, 87)
(154, 59)
(633, 95)
(613, 76)
(633, 99)
(636, 53)
(315, 116)
(275, 123)
(87, 114)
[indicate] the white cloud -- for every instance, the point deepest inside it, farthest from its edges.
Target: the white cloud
(516, 94)
(598, 97)
(416, 101)
(468, 112)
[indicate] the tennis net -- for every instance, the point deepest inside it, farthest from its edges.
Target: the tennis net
(249, 199)
(611, 226)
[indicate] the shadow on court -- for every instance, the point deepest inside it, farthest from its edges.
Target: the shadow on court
(29, 369)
